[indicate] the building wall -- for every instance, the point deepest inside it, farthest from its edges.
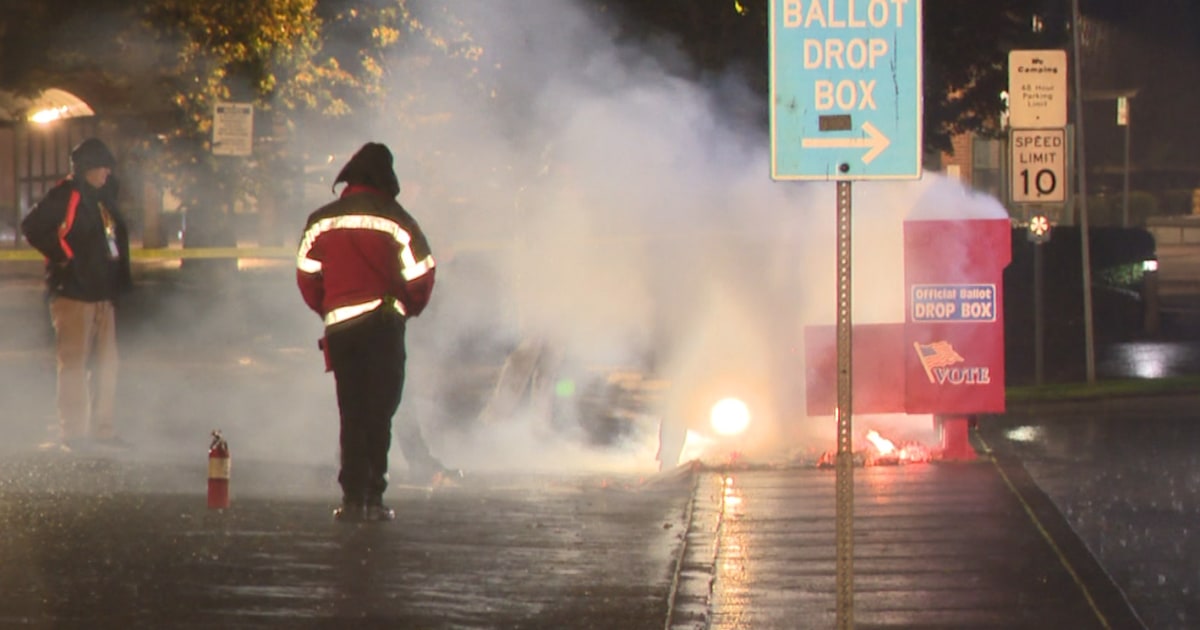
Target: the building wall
(33, 158)
(959, 163)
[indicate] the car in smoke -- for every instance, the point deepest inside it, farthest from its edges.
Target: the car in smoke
(712, 409)
(690, 360)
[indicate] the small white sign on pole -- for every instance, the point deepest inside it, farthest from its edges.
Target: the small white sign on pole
(1037, 89)
(233, 129)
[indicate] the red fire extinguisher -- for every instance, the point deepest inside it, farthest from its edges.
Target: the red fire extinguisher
(218, 473)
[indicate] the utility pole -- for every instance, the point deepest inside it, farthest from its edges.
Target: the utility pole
(1081, 162)
(1123, 121)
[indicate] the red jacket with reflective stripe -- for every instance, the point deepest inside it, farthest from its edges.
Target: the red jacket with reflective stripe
(360, 248)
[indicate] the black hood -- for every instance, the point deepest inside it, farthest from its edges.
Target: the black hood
(371, 166)
(89, 154)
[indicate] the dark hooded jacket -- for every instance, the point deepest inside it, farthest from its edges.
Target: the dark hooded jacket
(81, 233)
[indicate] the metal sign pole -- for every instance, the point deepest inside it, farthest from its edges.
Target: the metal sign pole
(829, 122)
(1039, 318)
(1081, 175)
(845, 440)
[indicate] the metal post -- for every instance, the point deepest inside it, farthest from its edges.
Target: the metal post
(16, 175)
(845, 445)
(1039, 319)
(1089, 335)
(1125, 199)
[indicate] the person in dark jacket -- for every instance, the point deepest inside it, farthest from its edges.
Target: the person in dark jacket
(79, 230)
(365, 267)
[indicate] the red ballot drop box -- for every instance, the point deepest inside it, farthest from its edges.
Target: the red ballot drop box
(947, 357)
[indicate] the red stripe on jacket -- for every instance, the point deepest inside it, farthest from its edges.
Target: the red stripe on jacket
(68, 221)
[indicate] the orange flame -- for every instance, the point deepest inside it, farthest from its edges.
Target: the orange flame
(882, 444)
(882, 452)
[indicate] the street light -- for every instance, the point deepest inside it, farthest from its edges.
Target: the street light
(55, 104)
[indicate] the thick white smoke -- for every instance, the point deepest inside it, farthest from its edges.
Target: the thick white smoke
(594, 201)
(623, 216)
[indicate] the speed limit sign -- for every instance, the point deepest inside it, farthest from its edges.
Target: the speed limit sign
(1039, 172)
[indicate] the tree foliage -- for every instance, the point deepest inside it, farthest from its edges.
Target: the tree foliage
(259, 51)
(966, 60)
(301, 63)
(966, 48)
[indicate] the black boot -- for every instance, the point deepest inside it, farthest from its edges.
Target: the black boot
(377, 511)
(352, 510)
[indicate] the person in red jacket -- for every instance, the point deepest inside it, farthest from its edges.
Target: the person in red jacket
(365, 267)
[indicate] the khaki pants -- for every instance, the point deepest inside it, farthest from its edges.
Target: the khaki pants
(86, 349)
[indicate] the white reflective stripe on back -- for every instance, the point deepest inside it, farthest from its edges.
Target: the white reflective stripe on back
(348, 222)
(344, 313)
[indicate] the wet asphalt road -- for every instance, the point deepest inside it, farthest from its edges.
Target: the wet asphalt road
(124, 540)
(1125, 474)
(104, 542)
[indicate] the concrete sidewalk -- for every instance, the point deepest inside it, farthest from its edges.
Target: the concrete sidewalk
(970, 545)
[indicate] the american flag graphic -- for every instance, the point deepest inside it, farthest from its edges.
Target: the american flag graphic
(936, 354)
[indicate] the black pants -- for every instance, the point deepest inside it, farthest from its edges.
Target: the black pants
(367, 356)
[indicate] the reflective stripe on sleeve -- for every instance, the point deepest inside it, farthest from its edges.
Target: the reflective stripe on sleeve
(308, 265)
(411, 269)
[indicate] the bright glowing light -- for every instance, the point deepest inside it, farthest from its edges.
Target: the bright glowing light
(48, 115)
(1024, 434)
(54, 104)
(882, 444)
(730, 416)
(1149, 265)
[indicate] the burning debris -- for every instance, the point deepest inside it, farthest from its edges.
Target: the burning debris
(881, 451)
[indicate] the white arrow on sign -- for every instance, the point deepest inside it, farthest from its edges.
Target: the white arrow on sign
(875, 140)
